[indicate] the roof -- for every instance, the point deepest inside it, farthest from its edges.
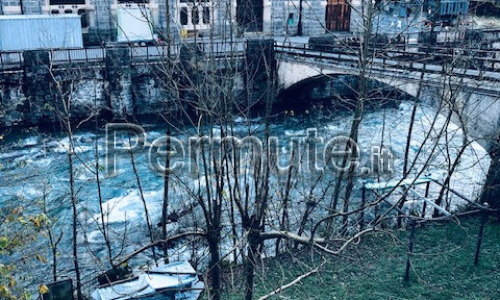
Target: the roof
(179, 278)
(30, 17)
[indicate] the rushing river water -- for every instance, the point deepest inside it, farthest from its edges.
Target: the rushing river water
(34, 167)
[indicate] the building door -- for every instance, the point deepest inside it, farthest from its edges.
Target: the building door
(250, 15)
(338, 15)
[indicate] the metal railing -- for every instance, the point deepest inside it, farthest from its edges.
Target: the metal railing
(138, 54)
(80, 55)
(11, 60)
(483, 60)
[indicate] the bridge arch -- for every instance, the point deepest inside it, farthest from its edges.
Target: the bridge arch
(291, 73)
(336, 89)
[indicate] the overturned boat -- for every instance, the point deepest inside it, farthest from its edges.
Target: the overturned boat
(166, 281)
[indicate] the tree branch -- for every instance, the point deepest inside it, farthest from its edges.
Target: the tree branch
(159, 242)
(313, 241)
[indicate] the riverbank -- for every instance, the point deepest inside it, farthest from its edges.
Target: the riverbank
(442, 267)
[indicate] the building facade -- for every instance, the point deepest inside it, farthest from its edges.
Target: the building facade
(223, 18)
(414, 20)
(188, 17)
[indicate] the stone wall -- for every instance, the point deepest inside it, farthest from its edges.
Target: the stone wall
(114, 89)
(30, 7)
(314, 17)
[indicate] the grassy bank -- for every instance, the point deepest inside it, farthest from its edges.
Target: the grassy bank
(442, 267)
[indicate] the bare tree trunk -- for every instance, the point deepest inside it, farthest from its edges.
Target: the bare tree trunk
(408, 139)
(101, 202)
(79, 294)
(358, 115)
(166, 182)
(251, 262)
(284, 226)
(144, 203)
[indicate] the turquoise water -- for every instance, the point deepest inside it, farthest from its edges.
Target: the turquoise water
(34, 170)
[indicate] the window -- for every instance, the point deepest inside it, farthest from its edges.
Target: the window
(184, 16)
(132, 1)
(83, 15)
(193, 1)
(66, 2)
(195, 16)
(206, 15)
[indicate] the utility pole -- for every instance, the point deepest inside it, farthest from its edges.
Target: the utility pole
(299, 25)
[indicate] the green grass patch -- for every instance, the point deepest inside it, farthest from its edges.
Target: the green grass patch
(442, 267)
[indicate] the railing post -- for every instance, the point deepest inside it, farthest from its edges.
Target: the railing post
(410, 249)
(362, 213)
(484, 218)
(426, 195)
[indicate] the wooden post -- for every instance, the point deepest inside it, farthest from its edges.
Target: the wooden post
(426, 195)
(362, 214)
(410, 249)
(484, 217)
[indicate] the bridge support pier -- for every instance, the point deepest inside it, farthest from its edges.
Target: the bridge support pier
(118, 76)
(36, 85)
(260, 71)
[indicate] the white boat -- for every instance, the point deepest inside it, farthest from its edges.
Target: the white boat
(167, 281)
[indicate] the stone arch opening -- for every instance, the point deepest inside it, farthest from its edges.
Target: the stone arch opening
(338, 91)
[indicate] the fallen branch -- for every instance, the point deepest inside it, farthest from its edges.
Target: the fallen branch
(313, 241)
(290, 235)
(290, 284)
(355, 237)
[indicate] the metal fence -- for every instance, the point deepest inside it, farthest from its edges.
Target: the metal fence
(413, 57)
(11, 60)
(138, 54)
(77, 55)
(487, 60)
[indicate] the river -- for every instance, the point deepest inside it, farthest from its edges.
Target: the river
(34, 170)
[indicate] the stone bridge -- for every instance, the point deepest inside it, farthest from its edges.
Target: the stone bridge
(473, 78)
